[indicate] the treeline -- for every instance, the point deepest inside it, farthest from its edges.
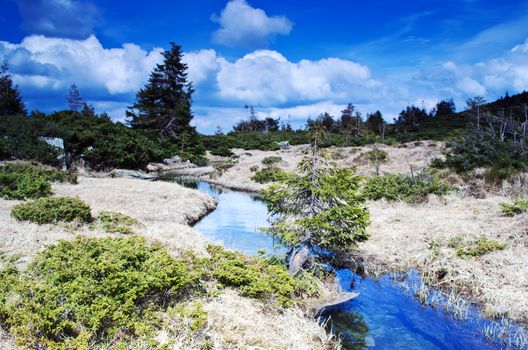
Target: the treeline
(158, 124)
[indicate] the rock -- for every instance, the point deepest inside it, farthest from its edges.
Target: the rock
(152, 168)
(133, 174)
(284, 144)
(57, 143)
(172, 160)
(343, 298)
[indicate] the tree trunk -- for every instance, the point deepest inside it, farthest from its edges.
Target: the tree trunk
(297, 259)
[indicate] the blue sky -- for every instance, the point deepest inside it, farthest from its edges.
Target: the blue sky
(292, 59)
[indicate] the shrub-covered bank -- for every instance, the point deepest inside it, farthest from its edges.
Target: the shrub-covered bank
(110, 290)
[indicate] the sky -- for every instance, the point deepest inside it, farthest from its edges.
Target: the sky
(290, 59)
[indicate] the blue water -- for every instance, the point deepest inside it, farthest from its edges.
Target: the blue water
(383, 316)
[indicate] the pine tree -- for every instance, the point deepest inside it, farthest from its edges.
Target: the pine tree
(75, 101)
(164, 104)
(10, 99)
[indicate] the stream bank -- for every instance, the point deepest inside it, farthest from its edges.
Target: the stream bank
(384, 315)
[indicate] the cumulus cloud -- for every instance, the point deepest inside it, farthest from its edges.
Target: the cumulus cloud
(244, 26)
(55, 63)
(267, 78)
(58, 18)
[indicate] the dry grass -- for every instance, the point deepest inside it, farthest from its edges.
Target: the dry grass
(422, 237)
(400, 159)
(231, 316)
(165, 209)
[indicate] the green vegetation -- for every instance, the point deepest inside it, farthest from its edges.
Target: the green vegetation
(49, 173)
(23, 186)
(222, 151)
(271, 160)
(27, 181)
(116, 222)
(480, 247)
(96, 291)
(255, 277)
(90, 290)
(517, 207)
(320, 205)
(403, 187)
(52, 210)
(268, 174)
(375, 156)
(470, 150)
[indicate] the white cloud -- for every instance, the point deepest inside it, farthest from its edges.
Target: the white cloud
(267, 78)
(55, 63)
(243, 25)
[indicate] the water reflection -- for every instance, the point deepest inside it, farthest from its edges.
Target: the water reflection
(237, 220)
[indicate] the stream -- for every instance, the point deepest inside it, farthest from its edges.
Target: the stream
(385, 315)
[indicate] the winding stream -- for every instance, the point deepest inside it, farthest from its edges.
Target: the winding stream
(383, 316)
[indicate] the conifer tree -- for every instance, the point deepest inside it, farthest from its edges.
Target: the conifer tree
(75, 101)
(10, 99)
(164, 104)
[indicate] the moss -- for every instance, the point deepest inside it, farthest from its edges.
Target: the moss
(480, 247)
(52, 210)
(116, 222)
(517, 207)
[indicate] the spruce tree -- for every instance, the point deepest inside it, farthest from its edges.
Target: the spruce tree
(10, 99)
(75, 101)
(164, 104)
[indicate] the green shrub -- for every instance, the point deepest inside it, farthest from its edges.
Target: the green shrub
(222, 152)
(49, 173)
(116, 222)
(253, 168)
(403, 187)
(52, 210)
(268, 174)
(24, 181)
(480, 247)
(271, 160)
(90, 291)
(376, 156)
(518, 207)
(23, 186)
(255, 277)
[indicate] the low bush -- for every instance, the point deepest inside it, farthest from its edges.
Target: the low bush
(91, 291)
(404, 187)
(255, 277)
(268, 174)
(271, 160)
(52, 210)
(376, 156)
(116, 222)
(23, 186)
(517, 207)
(480, 247)
(253, 168)
(49, 173)
(222, 152)
(26, 181)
